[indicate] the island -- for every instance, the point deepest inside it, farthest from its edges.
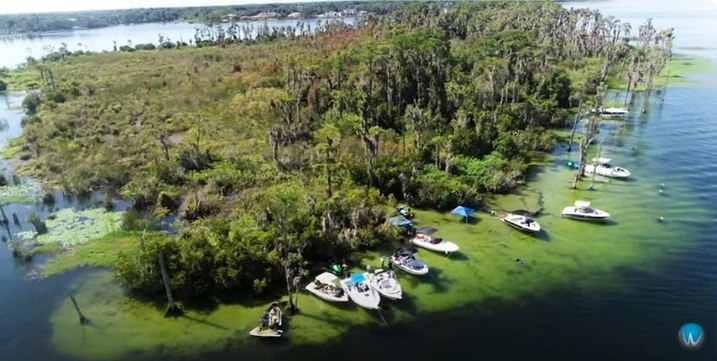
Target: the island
(280, 153)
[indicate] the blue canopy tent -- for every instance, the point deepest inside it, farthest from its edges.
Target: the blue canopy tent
(463, 212)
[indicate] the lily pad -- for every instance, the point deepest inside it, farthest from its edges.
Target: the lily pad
(69, 226)
(25, 192)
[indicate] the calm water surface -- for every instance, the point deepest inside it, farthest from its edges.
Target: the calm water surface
(672, 145)
(16, 50)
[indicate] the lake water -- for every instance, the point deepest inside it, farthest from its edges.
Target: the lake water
(16, 50)
(588, 292)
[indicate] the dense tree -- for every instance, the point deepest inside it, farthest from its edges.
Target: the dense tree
(284, 149)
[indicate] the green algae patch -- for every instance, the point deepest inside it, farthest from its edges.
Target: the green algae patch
(583, 256)
(681, 72)
(101, 252)
(70, 227)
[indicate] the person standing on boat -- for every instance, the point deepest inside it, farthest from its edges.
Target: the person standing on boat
(383, 261)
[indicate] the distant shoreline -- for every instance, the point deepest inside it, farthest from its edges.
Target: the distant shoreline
(38, 23)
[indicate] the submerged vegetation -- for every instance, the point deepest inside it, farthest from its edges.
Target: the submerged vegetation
(285, 150)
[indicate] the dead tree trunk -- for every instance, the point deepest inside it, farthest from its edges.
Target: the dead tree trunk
(584, 144)
(172, 309)
(575, 125)
(83, 320)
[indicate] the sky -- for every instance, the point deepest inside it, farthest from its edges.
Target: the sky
(42, 6)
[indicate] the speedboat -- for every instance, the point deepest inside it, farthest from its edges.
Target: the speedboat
(424, 238)
(325, 288)
(385, 283)
(602, 166)
(520, 222)
(611, 112)
(581, 210)
(269, 324)
(361, 292)
(404, 259)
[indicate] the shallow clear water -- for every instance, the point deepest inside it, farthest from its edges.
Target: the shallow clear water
(588, 292)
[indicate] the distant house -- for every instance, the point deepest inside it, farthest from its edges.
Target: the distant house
(264, 15)
(343, 13)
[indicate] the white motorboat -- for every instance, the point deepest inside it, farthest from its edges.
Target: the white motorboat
(581, 210)
(386, 283)
(270, 323)
(424, 238)
(611, 112)
(361, 292)
(603, 167)
(520, 222)
(324, 287)
(403, 258)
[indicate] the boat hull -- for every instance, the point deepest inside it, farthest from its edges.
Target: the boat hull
(268, 331)
(256, 332)
(417, 272)
(362, 294)
(517, 222)
(386, 284)
(324, 296)
(585, 217)
(608, 172)
(443, 246)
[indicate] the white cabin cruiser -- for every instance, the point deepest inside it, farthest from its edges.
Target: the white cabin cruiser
(361, 292)
(581, 210)
(424, 238)
(324, 287)
(386, 283)
(520, 222)
(403, 258)
(603, 167)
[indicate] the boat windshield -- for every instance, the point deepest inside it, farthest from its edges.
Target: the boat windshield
(585, 210)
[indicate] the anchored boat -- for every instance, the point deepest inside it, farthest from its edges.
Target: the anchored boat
(521, 222)
(581, 210)
(603, 167)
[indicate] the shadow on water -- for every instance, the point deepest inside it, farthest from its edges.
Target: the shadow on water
(433, 277)
(406, 304)
(457, 256)
(204, 322)
(542, 235)
(495, 327)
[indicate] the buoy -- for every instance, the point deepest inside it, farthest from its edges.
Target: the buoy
(661, 191)
(662, 185)
(661, 219)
